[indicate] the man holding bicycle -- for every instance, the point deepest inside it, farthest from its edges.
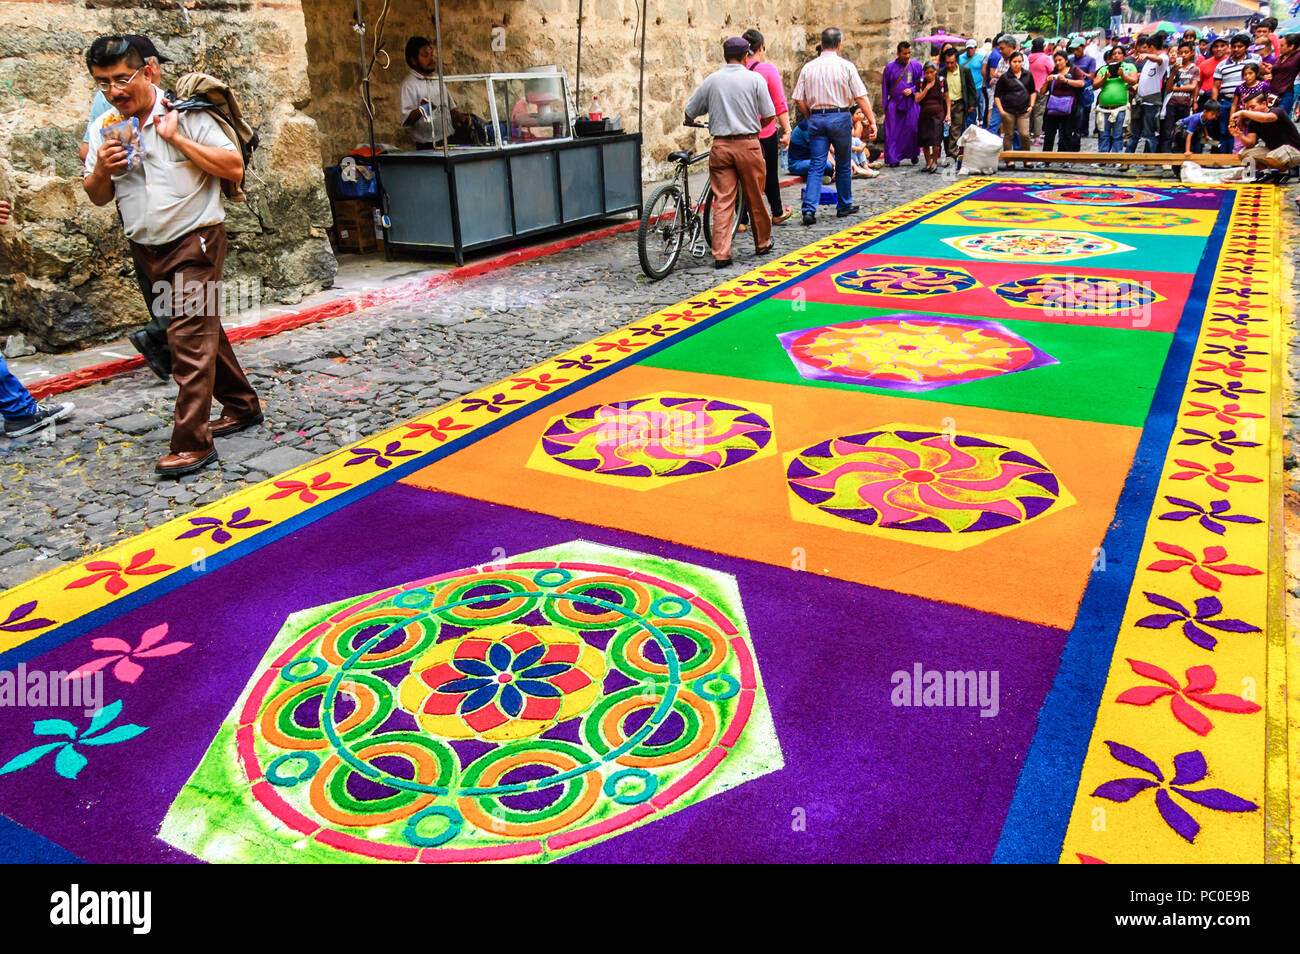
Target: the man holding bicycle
(738, 105)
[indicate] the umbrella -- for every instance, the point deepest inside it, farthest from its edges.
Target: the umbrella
(1159, 25)
(1288, 26)
(940, 37)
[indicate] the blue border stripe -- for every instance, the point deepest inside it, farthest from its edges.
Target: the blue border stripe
(1034, 831)
(147, 594)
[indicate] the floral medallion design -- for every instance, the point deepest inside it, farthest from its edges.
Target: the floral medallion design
(910, 352)
(515, 711)
(1034, 245)
(1078, 295)
(950, 490)
(654, 440)
(905, 281)
(1135, 219)
(1009, 213)
(1084, 195)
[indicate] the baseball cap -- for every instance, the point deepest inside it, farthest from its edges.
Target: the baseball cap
(971, 44)
(144, 46)
(736, 47)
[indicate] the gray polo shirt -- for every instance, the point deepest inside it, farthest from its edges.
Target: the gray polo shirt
(735, 99)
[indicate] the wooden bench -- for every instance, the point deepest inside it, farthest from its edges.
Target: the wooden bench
(1210, 159)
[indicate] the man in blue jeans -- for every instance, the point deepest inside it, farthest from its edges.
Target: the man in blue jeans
(825, 92)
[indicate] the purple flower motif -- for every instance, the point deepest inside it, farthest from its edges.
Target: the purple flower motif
(493, 406)
(1213, 519)
(1233, 389)
(17, 621)
(1189, 769)
(585, 363)
(381, 458)
(1224, 443)
(1207, 608)
(1237, 318)
(238, 521)
(1237, 351)
(655, 331)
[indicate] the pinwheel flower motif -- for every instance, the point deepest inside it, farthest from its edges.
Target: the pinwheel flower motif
(380, 458)
(1235, 334)
(220, 529)
(68, 762)
(1240, 351)
(543, 382)
(622, 345)
(1217, 478)
(1220, 512)
(493, 406)
(1237, 318)
(1228, 414)
(1224, 442)
(1233, 369)
(437, 431)
(1200, 680)
(1189, 769)
(1207, 609)
(586, 362)
(126, 668)
(1233, 389)
(307, 493)
(111, 573)
(656, 330)
(1203, 569)
(17, 621)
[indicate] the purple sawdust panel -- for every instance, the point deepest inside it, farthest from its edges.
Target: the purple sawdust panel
(1163, 197)
(863, 779)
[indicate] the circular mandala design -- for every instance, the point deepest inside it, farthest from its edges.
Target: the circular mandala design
(522, 702)
(657, 437)
(1010, 213)
(912, 351)
(905, 281)
(923, 481)
(1136, 219)
(1033, 245)
(1096, 196)
(1073, 294)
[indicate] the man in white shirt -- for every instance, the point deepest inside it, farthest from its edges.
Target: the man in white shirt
(169, 195)
(419, 98)
(1152, 63)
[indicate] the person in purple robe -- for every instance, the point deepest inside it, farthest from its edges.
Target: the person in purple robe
(902, 80)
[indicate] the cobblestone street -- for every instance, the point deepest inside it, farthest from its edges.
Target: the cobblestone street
(329, 384)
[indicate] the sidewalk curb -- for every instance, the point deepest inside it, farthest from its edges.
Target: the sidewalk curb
(84, 377)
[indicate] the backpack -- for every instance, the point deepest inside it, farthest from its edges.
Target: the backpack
(201, 91)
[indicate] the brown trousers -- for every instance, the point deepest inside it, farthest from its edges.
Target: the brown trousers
(737, 165)
(184, 277)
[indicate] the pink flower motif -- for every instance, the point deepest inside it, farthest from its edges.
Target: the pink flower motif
(126, 668)
(1204, 568)
(1200, 680)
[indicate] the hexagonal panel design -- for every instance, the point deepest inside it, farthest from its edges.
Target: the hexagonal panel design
(910, 352)
(651, 441)
(1034, 245)
(517, 711)
(950, 490)
(1062, 294)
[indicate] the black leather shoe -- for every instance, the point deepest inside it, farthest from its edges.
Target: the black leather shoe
(809, 219)
(846, 212)
(157, 356)
(771, 247)
(722, 263)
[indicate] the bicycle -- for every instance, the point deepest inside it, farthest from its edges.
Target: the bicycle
(671, 222)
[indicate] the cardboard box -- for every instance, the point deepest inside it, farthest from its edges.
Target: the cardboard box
(354, 226)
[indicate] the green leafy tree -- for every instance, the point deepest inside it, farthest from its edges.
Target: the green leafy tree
(1039, 16)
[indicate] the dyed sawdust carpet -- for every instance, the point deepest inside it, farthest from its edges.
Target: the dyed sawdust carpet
(952, 537)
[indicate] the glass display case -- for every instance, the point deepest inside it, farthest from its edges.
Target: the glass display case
(511, 169)
(501, 110)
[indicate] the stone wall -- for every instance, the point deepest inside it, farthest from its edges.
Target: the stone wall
(683, 45)
(65, 276)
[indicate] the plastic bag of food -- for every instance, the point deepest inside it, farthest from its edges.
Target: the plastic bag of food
(127, 132)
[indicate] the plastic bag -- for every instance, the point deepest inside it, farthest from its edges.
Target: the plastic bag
(980, 151)
(1191, 172)
(127, 132)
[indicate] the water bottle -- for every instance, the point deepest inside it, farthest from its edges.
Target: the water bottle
(785, 160)
(595, 108)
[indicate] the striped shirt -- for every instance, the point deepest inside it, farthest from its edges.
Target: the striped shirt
(828, 82)
(1228, 73)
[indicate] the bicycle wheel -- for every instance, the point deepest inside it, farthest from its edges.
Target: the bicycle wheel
(738, 213)
(662, 232)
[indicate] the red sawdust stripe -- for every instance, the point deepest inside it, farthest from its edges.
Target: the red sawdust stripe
(84, 377)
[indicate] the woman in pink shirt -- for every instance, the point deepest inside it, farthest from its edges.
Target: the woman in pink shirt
(1040, 67)
(768, 137)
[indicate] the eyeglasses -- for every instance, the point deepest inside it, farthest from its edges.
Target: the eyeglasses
(106, 85)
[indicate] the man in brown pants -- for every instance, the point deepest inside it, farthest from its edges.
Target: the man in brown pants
(169, 195)
(739, 106)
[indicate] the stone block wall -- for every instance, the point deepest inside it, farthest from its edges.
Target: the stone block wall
(65, 273)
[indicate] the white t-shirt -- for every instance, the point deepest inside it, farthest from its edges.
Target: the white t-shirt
(415, 88)
(1151, 78)
(166, 196)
